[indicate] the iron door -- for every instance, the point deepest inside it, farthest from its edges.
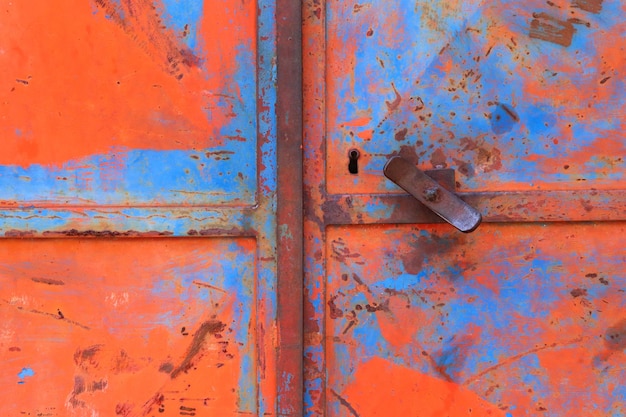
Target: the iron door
(404, 314)
(139, 265)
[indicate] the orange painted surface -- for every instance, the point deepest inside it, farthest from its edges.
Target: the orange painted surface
(382, 388)
(135, 327)
(140, 119)
(82, 77)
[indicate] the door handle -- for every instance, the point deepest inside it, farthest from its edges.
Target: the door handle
(430, 193)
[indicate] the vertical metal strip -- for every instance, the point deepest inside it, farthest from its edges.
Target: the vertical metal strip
(314, 93)
(289, 209)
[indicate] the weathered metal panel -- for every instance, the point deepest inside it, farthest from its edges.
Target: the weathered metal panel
(524, 101)
(129, 102)
(514, 95)
(125, 121)
(128, 327)
(511, 320)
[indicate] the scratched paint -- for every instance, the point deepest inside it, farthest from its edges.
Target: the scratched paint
(521, 318)
(132, 102)
(127, 123)
(161, 326)
(518, 95)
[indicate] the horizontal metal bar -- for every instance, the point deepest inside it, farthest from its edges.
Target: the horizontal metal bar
(522, 206)
(130, 222)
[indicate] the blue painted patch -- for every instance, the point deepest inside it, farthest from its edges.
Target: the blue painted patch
(25, 373)
(184, 17)
(458, 74)
(232, 276)
(215, 176)
(246, 400)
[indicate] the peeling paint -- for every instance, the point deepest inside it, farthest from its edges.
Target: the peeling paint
(406, 316)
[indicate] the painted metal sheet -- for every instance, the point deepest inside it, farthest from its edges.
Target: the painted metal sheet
(514, 95)
(139, 207)
(128, 327)
(128, 102)
(511, 320)
(406, 316)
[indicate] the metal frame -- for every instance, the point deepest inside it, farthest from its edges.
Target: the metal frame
(289, 199)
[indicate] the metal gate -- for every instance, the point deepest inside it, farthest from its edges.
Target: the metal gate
(147, 250)
(517, 107)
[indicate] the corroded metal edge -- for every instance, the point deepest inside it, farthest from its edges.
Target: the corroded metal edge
(289, 207)
(495, 207)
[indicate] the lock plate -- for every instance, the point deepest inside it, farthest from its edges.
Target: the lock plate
(430, 193)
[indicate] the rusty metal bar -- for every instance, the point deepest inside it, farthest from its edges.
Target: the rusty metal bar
(495, 207)
(129, 222)
(289, 201)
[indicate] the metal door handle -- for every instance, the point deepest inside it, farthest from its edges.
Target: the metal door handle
(444, 203)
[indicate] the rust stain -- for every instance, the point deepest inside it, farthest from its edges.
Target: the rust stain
(591, 6)
(79, 388)
(48, 281)
(361, 286)
(409, 152)
(509, 110)
(358, 7)
(615, 338)
(166, 367)
(465, 168)
(550, 29)
(333, 210)
(140, 20)
(335, 312)
(343, 253)
(20, 233)
(104, 233)
(123, 409)
(52, 315)
(438, 159)
(374, 307)
(579, 292)
(521, 355)
(425, 248)
(205, 285)
(392, 105)
(489, 160)
(401, 134)
(578, 21)
(208, 327)
(586, 205)
(345, 403)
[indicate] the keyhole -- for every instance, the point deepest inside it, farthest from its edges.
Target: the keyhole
(353, 165)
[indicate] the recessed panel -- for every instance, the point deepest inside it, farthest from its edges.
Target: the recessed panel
(129, 327)
(512, 95)
(511, 320)
(128, 102)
